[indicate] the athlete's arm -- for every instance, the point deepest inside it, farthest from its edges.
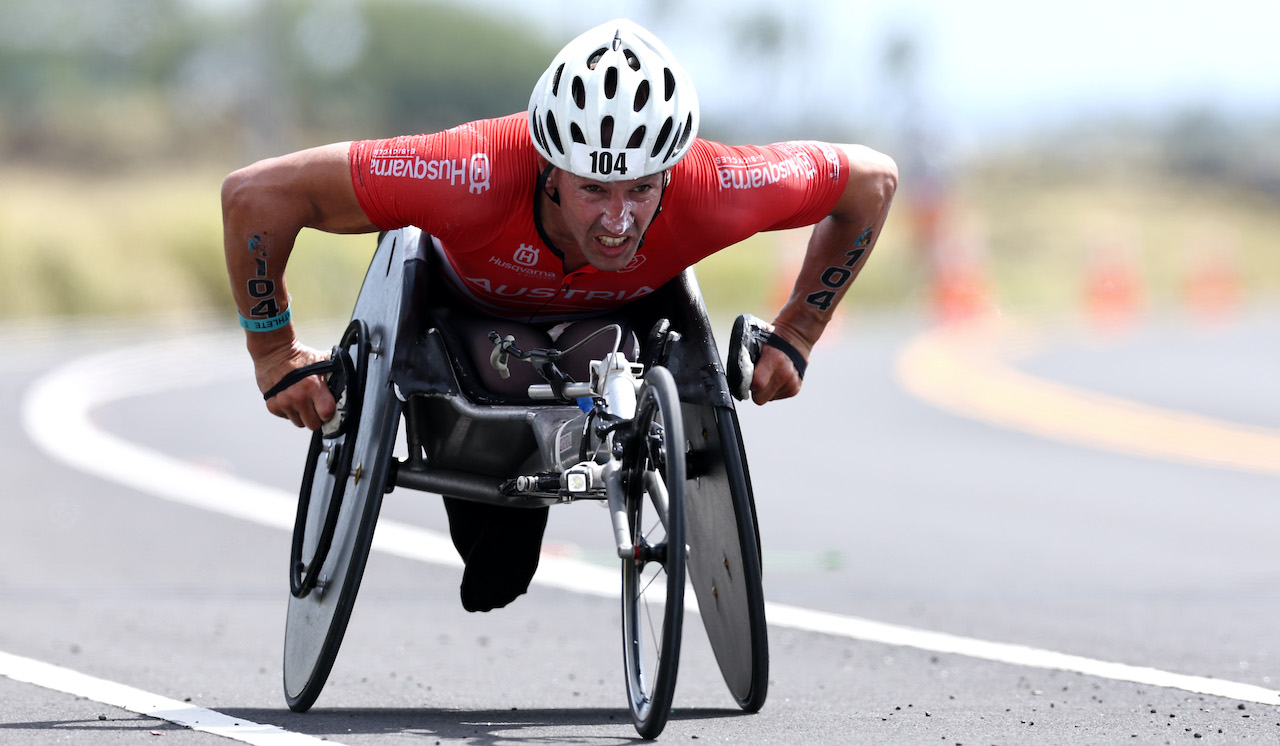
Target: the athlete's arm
(838, 249)
(264, 206)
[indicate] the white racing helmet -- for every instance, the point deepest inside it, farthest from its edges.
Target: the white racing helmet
(614, 105)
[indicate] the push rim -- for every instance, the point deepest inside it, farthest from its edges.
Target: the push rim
(340, 453)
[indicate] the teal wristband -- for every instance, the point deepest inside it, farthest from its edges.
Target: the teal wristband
(268, 324)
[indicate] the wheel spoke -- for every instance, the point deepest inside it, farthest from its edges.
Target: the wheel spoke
(658, 493)
(654, 628)
(640, 594)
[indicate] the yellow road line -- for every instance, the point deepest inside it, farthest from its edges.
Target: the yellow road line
(963, 371)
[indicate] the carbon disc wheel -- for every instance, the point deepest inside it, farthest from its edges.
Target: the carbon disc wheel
(342, 488)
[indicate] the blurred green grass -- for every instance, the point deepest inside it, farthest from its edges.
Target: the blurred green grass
(148, 244)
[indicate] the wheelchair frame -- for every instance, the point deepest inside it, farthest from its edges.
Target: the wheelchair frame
(420, 382)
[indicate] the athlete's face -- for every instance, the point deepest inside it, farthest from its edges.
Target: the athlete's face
(601, 222)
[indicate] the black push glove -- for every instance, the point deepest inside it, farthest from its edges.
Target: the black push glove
(340, 370)
(747, 339)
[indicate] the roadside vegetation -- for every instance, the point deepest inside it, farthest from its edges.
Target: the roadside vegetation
(149, 244)
(119, 119)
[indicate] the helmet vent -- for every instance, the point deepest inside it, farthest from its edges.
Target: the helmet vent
(579, 93)
(688, 130)
(637, 138)
(675, 140)
(642, 96)
(538, 134)
(594, 59)
(575, 132)
(554, 133)
(555, 81)
(611, 83)
(663, 134)
(633, 61)
(671, 83)
(606, 132)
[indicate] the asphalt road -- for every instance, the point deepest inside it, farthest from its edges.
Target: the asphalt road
(895, 517)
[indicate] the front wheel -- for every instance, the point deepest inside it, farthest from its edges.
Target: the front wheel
(653, 578)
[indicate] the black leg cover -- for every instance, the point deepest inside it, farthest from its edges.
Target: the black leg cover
(500, 547)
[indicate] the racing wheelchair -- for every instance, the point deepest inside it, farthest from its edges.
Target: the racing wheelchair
(657, 439)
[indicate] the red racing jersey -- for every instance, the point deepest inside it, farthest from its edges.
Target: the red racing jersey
(473, 189)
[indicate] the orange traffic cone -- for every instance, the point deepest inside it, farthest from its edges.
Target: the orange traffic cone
(1212, 288)
(1113, 288)
(960, 289)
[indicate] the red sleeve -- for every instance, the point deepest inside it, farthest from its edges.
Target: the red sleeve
(723, 194)
(447, 181)
(370, 160)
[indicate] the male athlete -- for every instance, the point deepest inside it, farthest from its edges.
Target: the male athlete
(596, 196)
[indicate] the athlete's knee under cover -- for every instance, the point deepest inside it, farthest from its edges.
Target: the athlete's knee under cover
(500, 546)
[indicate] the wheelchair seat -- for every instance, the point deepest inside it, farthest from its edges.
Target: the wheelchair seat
(452, 421)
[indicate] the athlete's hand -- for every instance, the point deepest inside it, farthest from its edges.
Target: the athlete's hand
(775, 376)
(308, 402)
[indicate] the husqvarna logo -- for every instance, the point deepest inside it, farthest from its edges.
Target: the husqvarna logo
(526, 255)
(480, 173)
(404, 163)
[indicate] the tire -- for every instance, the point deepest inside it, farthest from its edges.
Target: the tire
(653, 580)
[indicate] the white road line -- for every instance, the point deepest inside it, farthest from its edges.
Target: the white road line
(151, 705)
(1017, 655)
(56, 416)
